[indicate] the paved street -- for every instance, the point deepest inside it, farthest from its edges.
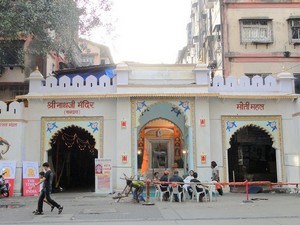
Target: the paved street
(89, 208)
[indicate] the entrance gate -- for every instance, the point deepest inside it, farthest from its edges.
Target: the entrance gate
(251, 156)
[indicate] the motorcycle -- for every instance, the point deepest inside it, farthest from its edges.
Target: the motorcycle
(4, 187)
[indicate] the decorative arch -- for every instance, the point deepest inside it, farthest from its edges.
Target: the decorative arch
(162, 119)
(51, 126)
(73, 159)
(271, 125)
(181, 108)
(251, 155)
(70, 136)
(253, 125)
(179, 111)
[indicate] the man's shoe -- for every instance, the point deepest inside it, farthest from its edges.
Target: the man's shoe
(52, 207)
(38, 213)
(60, 209)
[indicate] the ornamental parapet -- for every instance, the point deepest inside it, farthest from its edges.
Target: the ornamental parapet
(13, 110)
(76, 84)
(256, 84)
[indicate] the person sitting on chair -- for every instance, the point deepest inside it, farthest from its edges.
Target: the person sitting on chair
(178, 179)
(138, 186)
(199, 187)
(164, 186)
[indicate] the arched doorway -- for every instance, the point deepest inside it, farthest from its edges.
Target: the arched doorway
(251, 155)
(72, 156)
(160, 146)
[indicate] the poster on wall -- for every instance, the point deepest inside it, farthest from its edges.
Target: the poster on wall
(103, 184)
(30, 177)
(9, 168)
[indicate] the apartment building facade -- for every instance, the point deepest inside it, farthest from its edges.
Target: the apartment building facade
(245, 37)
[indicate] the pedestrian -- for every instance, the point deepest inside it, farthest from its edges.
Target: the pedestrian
(215, 177)
(41, 176)
(46, 190)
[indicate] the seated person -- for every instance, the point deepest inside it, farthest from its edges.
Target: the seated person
(164, 187)
(199, 187)
(138, 186)
(187, 180)
(177, 179)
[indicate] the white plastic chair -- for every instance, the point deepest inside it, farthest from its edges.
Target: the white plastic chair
(213, 192)
(197, 193)
(159, 194)
(175, 191)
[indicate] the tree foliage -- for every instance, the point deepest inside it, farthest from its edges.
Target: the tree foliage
(52, 24)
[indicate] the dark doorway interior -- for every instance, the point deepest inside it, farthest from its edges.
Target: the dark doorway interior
(73, 156)
(251, 156)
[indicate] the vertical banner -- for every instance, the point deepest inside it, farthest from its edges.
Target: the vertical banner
(103, 184)
(9, 167)
(30, 177)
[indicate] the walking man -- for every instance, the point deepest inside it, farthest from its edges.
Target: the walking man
(46, 190)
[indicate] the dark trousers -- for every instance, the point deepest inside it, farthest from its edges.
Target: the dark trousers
(46, 193)
(137, 194)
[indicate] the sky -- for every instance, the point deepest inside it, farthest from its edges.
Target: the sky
(147, 31)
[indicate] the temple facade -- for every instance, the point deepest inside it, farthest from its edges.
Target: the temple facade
(149, 118)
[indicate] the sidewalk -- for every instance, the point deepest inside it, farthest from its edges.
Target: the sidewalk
(89, 208)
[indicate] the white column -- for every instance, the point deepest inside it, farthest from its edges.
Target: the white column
(190, 149)
(135, 150)
(279, 166)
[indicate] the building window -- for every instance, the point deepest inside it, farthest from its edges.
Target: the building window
(87, 61)
(294, 27)
(297, 83)
(256, 31)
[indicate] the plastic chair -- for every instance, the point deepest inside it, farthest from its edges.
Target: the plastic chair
(159, 194)
(213, 192)
(197, 193)
(175, 191)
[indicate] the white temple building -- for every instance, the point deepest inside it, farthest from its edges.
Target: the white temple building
(147, 118)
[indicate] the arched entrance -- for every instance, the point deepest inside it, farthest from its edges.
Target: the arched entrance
(251, 155)
(160, 146)
(177, 112)
(72, 156)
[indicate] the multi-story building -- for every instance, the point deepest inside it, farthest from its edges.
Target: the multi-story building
(249, 37)
(94, 54)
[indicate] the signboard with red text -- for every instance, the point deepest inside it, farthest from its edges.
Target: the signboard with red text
(30, 177)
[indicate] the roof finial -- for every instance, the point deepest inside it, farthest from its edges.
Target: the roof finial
(283, 69)
(37, 69)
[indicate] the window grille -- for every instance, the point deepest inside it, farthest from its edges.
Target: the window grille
(295, 30)
(256, 31)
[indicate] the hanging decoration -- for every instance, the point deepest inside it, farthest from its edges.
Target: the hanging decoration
(70, 140)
